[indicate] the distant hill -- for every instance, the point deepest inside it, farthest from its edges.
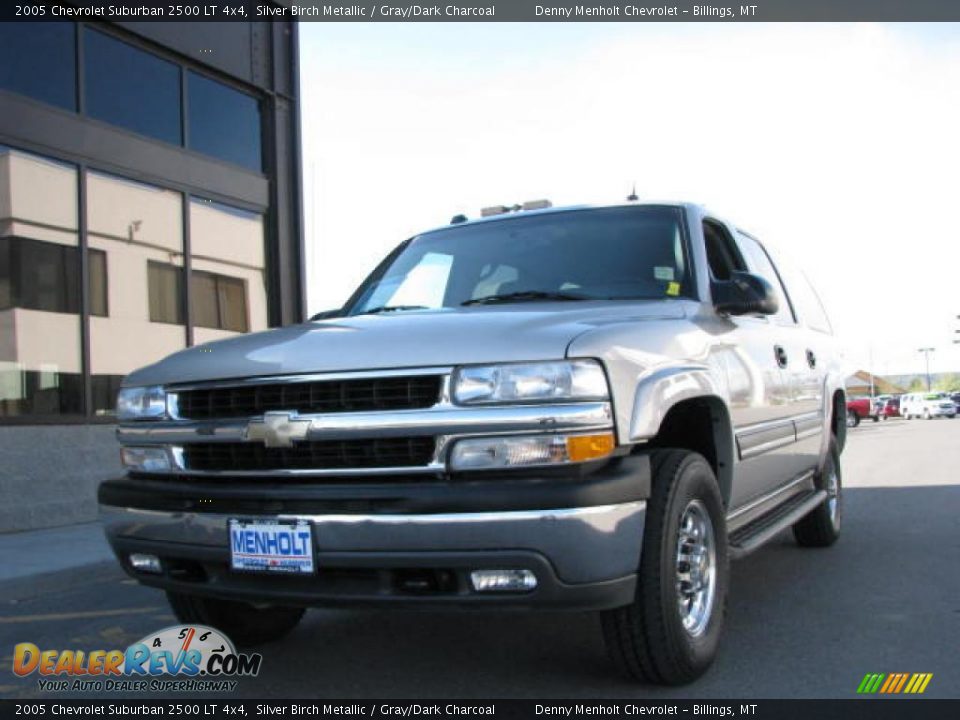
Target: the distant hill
(938, 381)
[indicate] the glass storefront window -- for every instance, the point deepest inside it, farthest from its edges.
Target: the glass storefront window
(40, 360)
(228, 284)
(131, 88)
(139, 228)
(223, 122)
(38, 59)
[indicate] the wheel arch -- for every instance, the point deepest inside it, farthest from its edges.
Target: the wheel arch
(838, 418)
(701, 424)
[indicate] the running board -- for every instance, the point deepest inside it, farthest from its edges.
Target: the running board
(754, 534)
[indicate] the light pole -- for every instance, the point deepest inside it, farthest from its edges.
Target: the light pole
(926, 352)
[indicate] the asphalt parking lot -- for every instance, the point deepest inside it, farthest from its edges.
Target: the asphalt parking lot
(801, 623)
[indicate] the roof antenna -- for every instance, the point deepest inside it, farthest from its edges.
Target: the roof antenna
(632, 197)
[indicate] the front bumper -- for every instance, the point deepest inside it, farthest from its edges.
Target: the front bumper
(400, 544)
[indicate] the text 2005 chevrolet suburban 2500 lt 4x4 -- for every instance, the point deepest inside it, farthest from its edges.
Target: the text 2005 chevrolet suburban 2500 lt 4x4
(586, 408)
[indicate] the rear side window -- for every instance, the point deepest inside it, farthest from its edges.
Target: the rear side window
(760, 264)
(806, 302)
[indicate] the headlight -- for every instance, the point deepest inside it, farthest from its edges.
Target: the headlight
(530, 382)
(139, 403)
(529, 450)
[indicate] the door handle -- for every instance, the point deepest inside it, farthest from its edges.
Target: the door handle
(811, 359)
(781, 355)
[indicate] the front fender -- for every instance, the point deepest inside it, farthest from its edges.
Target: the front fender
(660, 389)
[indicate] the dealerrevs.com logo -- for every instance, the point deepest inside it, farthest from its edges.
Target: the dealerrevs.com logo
(180, 658)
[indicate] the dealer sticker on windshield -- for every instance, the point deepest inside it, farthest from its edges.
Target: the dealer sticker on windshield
(283, 546)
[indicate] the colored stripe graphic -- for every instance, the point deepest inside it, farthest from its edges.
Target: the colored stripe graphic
(903, 681)
(870, 683)
(894, 683)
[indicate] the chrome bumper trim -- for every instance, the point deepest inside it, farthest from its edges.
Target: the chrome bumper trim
(587, 544)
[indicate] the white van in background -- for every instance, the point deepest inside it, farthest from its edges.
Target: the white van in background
(927, 405)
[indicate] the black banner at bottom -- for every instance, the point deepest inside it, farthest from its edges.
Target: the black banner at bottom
(873, 709)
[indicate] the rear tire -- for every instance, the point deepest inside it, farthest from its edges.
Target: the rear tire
(852, 419)
(670, 633)
(821, 527)
(243, 623)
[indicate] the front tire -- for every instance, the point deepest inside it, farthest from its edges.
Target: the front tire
(670, 633)
(853, 419)
(243, 623)
(821, 527)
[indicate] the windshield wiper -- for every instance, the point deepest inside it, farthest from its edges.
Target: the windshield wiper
(392, 308)
(525, 296)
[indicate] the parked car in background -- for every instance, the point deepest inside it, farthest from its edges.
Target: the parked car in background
(890, 408)
(956, 400)
(927, 405)
(860, 408)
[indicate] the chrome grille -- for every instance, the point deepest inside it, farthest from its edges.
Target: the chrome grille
(321, 455)
(321, 396)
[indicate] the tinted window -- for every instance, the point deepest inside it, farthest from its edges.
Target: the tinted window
(103, 393)
(38, 275)
(131, 88)
(722, 255)
(218, 301)
(589, 254)
(164, 286)
(759, 263)
(223, 122)
(38, 59)
(97, 260)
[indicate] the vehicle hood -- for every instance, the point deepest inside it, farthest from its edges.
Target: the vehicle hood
(429, 338)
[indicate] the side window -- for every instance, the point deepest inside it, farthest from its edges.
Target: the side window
(722, 254)
(760, 264)
(806, 302)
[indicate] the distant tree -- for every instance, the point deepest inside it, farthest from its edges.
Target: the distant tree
(947, 382)
(917, 385)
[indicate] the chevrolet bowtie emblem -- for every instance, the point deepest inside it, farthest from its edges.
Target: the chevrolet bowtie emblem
(277, 429)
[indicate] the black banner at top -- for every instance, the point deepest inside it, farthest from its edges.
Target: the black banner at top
(483, 11)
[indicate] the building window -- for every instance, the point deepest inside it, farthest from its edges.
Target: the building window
(41, 373)
(38, 59)
(165, 289)
(129, 87)
(223, 122)
(97, 262)
(218, 301)
(227, 242)
(38, 275)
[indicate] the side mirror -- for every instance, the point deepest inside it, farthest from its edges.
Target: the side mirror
(744, 294)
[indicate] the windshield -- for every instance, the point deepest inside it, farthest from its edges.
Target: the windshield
(573, 255)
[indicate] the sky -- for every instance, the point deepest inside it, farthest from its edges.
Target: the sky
(838, 145)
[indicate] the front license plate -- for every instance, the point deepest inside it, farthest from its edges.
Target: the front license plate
(282, 546)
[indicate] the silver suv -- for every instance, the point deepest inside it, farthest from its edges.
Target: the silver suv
(589, 408)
